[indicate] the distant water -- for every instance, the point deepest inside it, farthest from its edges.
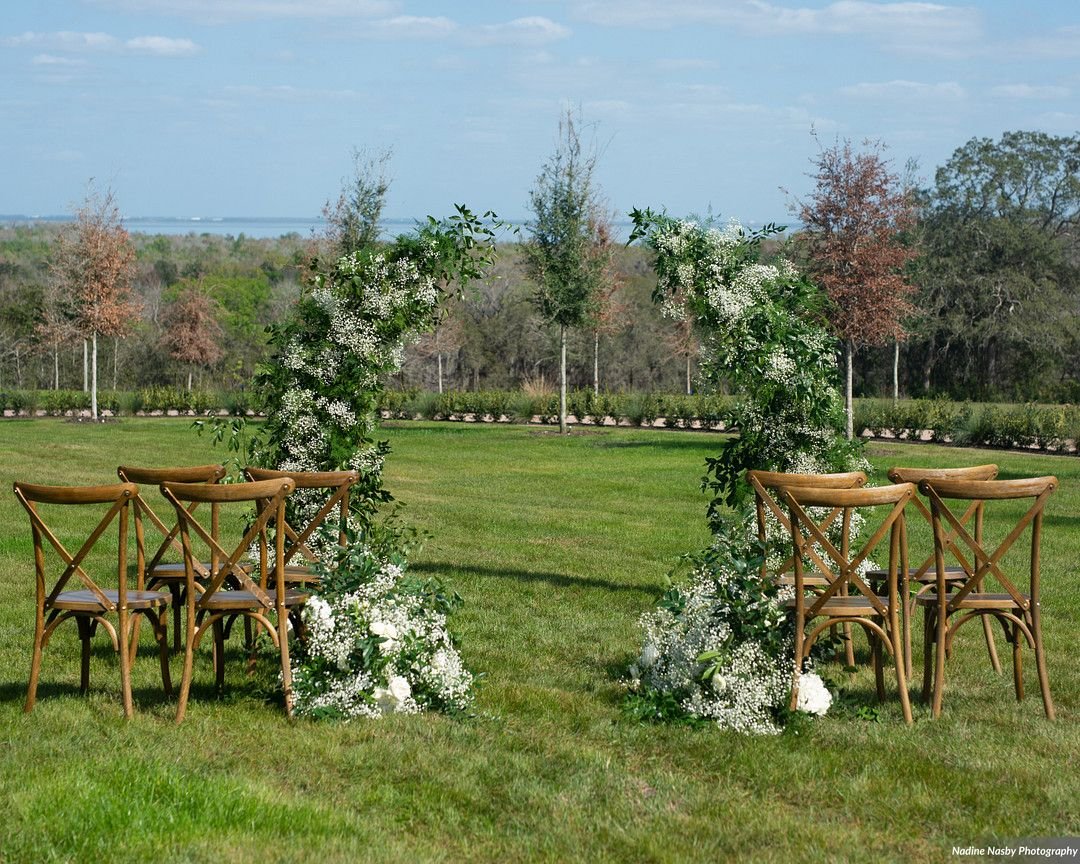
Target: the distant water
(253, 226)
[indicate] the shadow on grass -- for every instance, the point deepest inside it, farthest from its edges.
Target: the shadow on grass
(559, 580)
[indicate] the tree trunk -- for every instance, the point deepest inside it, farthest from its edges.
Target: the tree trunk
(596, 364)
(689, 389)
(928, 366)
(18, 368)
(896, 372)
(190, 372)
(93, 378)
(562, 379)
(85, 383)
(116, 360)
(56, 366)
(440, 372)
(849, 350)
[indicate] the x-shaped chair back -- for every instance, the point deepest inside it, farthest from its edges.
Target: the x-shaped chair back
(974, 509)
(950, 529)
(169, 528)
(841, 568)
(269, 496)
(337, 483)
(118, 496)
(767, 485)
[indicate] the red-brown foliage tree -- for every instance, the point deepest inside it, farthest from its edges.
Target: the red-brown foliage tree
(95, 263)
(192, 333)
(855, 219)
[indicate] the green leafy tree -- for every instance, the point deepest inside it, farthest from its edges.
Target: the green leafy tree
(563, 255)
(353, 219)
(999, 268)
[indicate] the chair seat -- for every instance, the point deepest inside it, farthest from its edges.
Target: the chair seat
(975, 601)
(952, 574)
(239, 600)
(845, 607)
(174, 571)
(87, 601)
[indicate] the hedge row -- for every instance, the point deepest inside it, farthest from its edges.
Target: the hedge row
(149, 399)
(585, 405)
(1054, 428)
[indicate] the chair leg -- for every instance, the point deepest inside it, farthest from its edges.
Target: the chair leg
(1018, 661)
(900, 661)
(1040, 662)
(991, 648)
(160, 623)
(189, 662)
(219, 654)
(123, 632)
(797, 668)
(942, 622)
(84, 664)
(928, 654)
(286, 668)
(177, 592)
(35, 664)
(876, 659)
(849, 646)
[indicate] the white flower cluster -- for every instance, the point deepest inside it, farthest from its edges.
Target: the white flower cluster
(745, 691)
(417, 666)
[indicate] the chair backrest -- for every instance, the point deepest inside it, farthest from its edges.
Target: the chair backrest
(269, 498)
(767, 485)
(168, 527)
(338, 483)
(843, 568)
(917, 475)
(118, 496)
(986, 563)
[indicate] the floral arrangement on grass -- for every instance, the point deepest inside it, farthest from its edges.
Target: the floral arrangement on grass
(718, 647)
(377, 642)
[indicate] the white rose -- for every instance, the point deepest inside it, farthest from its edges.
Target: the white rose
(389, 634)
(390, 698)
(719, 683)
(814, 696)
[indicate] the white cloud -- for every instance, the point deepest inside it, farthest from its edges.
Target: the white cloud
(412, 27)
(531, 30)
(64, 40)
(1030, 91)
(162, 46)
(900, 89)
(53, 60)
(219, 11)
(70, 41)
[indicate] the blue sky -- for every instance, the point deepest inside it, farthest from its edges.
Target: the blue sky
(253, 107)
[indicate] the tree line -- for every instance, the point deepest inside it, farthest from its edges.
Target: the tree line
(977, 297)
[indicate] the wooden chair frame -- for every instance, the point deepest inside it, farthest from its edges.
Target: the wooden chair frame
(1018, 613)
(218, 604)
(765, 485)
(170, 574)
(924, 576)
(91, 607)
(339, 483)
(878, 616)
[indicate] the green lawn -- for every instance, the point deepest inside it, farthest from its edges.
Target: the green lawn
(557, 546)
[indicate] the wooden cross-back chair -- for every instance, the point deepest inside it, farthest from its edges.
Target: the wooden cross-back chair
(230, 592)
(767, 486)
(878, 615)
(90, 605)
(1018, 611)
(337, 484)
(923, 576)
(163, 569)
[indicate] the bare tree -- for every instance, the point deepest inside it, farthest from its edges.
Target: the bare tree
(607, 318)
(94, 263)
(192, 334)
(855, 219)
(57, 326)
